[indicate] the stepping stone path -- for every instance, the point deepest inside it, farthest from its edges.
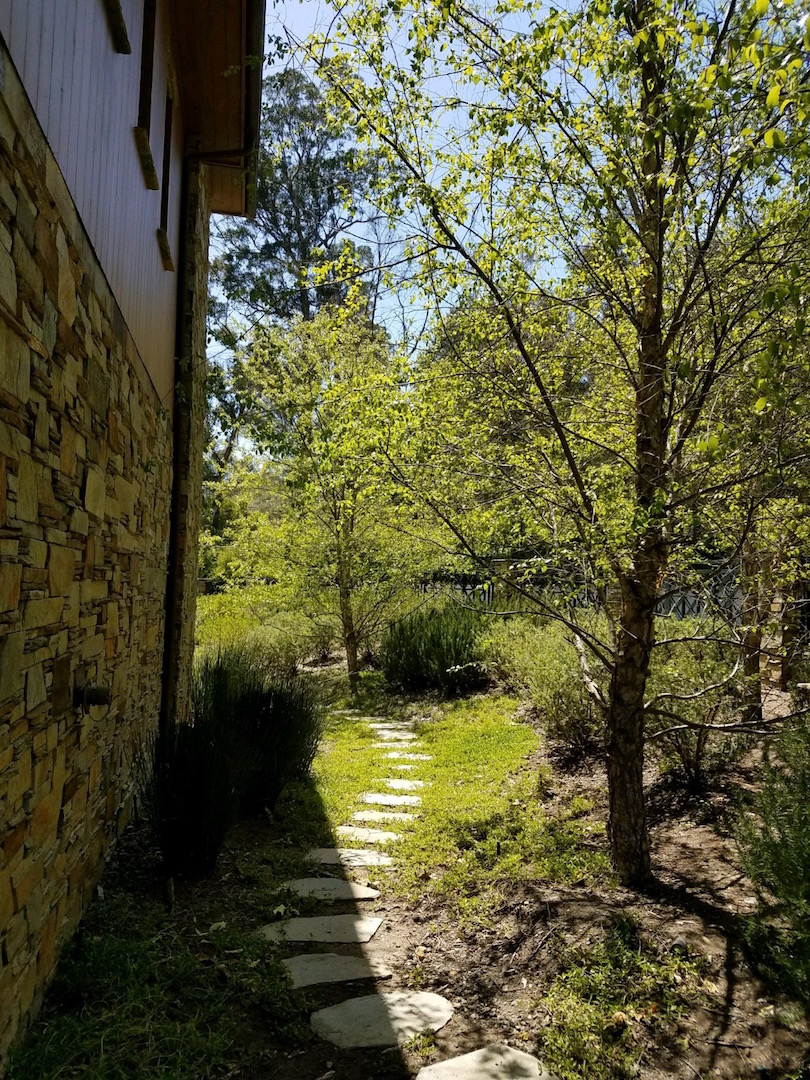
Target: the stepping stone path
(366, 836)
(383, 798)
(401, 785)
(345, 928)
(382, 1019)
(326, 888)
(313, 969)
(494, 1062)
(391, 1018)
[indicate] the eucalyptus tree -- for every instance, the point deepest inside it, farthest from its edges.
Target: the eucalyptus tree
(632, 171)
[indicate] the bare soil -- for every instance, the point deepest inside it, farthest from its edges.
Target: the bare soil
(742, 1029)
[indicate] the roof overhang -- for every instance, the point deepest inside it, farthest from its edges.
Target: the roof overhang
(219, 51)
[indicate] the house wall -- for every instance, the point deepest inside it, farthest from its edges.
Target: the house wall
(86, 475)
(85, 95)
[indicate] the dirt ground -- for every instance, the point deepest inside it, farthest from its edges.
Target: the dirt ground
(492, 978)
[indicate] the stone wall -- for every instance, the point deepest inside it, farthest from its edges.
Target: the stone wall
(85, 505)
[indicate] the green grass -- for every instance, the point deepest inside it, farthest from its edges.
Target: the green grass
(609, 999)
(482, 825)
(140, 995)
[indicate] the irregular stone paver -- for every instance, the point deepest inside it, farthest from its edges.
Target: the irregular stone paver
(318, 968)
(349, 856)
(384, 799)
(389, 744)
(398, 784)
(495, 1062)
(393, 725)
(382, 1019)
(325, 888)
(403, 768)
(397, 736)
(399, 755)
(383, 815)
(343, 928)
(366, 836)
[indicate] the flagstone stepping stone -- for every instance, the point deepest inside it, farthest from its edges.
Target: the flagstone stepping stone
(382, 1019)
(343, 928)
(393, 725)
(403, 768)
(366, 836)
(388, 745)
(495, 1062)
(383, 815)
(402, 756)
(400, 785)
(397, 736)
(326, 888)
(384, 799)
(313, 969)
(348, 857)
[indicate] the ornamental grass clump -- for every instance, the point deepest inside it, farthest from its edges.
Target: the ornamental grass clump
(250, 733)
(434, 649)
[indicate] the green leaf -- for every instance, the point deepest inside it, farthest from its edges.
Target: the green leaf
(772, 99)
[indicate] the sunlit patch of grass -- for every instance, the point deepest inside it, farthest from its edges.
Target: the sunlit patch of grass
(481, 824)
(608, 1000)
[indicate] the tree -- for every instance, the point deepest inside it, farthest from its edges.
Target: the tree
(630, 172)
(325, 389)
(309, 195)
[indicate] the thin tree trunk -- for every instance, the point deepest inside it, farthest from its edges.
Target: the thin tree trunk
(347, 625)
(752, 634)
(627, 822)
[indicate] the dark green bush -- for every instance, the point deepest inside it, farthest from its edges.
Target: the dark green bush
(434, 649)
(774, 840)
(250, 734)
(273, 723)
(189, 794)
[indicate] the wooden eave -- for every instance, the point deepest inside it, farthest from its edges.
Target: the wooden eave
(218, 51)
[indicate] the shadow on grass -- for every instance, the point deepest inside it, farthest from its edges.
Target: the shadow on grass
(143, 992)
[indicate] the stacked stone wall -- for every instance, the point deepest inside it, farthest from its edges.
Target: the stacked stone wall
(85, 493)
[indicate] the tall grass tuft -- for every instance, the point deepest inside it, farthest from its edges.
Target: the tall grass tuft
(434, 650)
(251, 732)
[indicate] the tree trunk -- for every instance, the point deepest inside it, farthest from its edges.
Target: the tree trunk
(347, 625)
(627, 821)
(752, 620)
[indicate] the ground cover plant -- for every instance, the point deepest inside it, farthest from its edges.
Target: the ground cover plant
(501, 898)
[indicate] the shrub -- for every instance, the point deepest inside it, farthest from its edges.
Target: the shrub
(273, 723)
(434, 649)
(250, 734)
(189, 794)
(774, 841)
(682, 668)
(540, 659)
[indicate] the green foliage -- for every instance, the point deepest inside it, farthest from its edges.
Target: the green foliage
(434, 649)
(135, 996)
(602, 996)
(251, 614)
(250, 734)
(539, 658)
(273, 725)
(774, 840)
(693, 681)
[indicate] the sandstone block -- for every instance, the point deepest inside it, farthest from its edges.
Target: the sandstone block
(35, 692)
(10, 578)
(95, 493)
(61, 567)
(15, 363)
(11, 673)
(8, 279)
(27, 490)
(40, 613)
